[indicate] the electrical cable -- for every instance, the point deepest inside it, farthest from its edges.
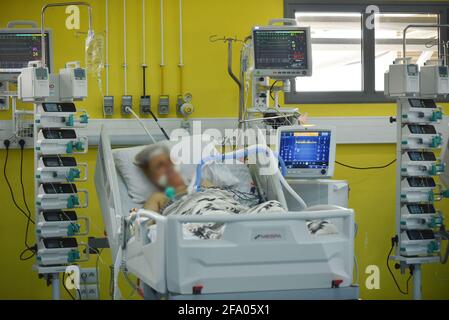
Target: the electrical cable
(27, 228)
(271, 89)
(366, 168)
(65, 287)
(28, 248)
(10, 187)
(392, 274)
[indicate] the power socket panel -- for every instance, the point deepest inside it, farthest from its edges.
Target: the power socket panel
(88, 292)
(88, 275)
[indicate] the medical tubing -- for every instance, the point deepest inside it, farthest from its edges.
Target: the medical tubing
(244, 153)
(141, 123)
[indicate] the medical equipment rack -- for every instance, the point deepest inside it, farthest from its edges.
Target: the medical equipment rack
(56, 194)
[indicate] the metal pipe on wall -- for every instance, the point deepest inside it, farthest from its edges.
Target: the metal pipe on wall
(107, 46)
(125, 58)
(162, 65)
(61, 4)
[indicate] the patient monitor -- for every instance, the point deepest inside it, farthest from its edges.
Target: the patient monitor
(282, 52)
(307, 151)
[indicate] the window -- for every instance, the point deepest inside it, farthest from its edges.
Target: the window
(349, 59)
(388, 34)
(337, 51)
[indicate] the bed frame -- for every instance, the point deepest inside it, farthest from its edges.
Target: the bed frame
(268, 256)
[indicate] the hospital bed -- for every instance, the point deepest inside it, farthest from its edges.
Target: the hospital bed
(267, 256)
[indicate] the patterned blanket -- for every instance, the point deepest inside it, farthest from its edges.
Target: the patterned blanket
(212, 201)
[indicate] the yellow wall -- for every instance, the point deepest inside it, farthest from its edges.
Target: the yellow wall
(214, 95)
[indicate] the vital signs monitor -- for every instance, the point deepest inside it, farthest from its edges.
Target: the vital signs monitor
(19, 46)
(307, 152)
(282, 52)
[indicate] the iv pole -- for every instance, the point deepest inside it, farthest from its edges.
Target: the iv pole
(54, 277)
(417, 272)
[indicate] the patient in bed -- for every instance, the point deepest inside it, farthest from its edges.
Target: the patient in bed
(155, 162)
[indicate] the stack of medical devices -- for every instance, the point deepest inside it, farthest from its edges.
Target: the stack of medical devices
(57, 141)
(56, 169)
(418, 223)
(277, 54)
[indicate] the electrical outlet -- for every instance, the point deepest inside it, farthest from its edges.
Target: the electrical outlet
(88, 275)
(4, 100)
(108, 105)
(88, 292)
(145, 104)
(164, 104)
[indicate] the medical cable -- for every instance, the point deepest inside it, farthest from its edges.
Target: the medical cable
(366, 168)
(393, 243)
(128, 109)
(159, 126)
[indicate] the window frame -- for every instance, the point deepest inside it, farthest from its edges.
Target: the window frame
(368, 93)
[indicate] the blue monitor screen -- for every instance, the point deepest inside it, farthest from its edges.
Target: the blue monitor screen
(305, 149)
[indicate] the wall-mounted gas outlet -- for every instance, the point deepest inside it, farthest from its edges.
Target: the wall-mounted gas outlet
(164, 104)
(145, 104)
(108, 106)
(127, 102)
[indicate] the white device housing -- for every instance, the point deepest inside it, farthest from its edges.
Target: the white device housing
(59, 146)
(420, 111)
(33, 83)
(310, 172)
(59, 174)
(319, 192)
(72, 82)
(54, 229)
(402, 79)
(434, 80)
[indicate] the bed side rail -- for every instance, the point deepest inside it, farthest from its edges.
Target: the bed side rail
(107, 189)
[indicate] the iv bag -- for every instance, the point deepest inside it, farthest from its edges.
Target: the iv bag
(94, 52)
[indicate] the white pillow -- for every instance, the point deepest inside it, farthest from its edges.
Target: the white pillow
(139, 187)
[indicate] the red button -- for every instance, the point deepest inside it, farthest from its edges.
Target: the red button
(197, 289)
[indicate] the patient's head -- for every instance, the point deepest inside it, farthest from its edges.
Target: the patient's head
(155, 162)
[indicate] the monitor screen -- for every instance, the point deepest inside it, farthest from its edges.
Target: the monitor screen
(18, 48)
(305, 149)
(280, 49)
